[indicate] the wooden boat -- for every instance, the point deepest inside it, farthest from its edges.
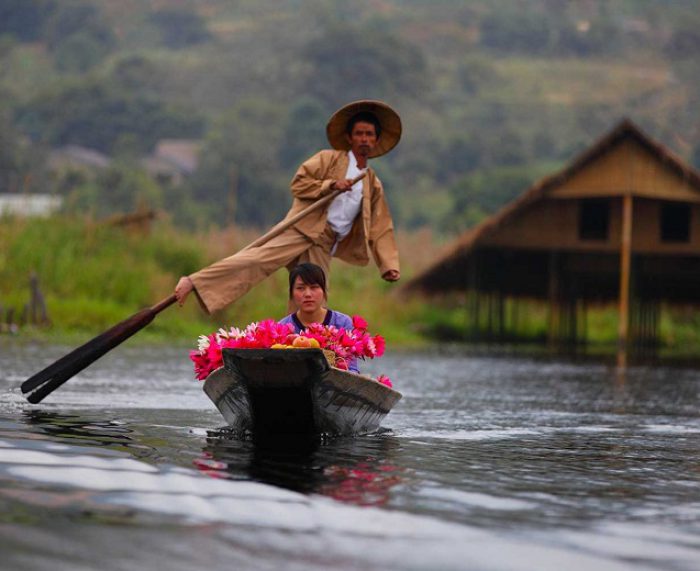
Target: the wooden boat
(295, 391)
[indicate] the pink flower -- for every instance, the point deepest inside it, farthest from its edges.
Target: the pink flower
(385, 380)
(201, 365)
(380, 344)
(213, 354)
(347, 344)
(370, 349)
(359, 322)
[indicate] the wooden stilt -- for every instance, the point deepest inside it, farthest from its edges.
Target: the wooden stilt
(469, 301)
(625, 267)
(654, 314)
(554, 313)
(474, 301)
(501, 316)
(573, 325)
(476, 309)
(584, 324)
(489, 315)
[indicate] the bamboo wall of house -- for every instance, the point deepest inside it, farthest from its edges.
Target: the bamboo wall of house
(554, 224)
(629, 167)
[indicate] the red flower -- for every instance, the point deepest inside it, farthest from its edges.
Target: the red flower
(359, 322)
(347, 344)
(380, 344)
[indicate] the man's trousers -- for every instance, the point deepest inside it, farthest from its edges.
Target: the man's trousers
(229, 279)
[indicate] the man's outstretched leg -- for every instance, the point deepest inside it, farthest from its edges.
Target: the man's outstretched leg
(229, 279)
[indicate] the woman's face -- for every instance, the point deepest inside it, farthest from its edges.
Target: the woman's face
(307, 297)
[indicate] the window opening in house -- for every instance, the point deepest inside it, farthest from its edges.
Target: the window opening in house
(675, 222)
(593, 219)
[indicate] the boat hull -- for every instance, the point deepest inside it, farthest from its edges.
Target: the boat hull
(295, 391)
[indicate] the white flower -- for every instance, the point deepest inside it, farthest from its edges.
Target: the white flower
(203, 343)
(233, 333)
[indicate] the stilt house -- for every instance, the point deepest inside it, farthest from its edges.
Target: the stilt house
(620, 224)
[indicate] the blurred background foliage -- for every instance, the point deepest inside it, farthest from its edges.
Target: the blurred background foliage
(493, 94)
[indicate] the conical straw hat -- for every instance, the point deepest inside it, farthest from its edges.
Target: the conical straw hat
(388, 119)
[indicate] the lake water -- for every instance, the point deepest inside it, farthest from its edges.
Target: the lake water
(486, 464)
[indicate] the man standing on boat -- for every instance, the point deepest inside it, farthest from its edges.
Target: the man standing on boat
(356, 223)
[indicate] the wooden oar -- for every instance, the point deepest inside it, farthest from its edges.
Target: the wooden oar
(49, 379)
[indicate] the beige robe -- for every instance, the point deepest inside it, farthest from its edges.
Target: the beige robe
(310, 239)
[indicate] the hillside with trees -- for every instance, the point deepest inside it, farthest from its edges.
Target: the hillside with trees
(493, 95)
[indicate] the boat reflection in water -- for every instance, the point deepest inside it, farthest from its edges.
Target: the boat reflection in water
(353, 470)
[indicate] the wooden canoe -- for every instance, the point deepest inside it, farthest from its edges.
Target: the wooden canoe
(295, 391)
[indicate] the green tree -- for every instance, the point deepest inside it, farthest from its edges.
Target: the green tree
(79, 52)
(22, 167)
(482, 193)
(303, 132)
(10, 155)
(238, 178)
(25, 19)
(474, 73)
(78, 36)
(684, 41)
(459, 155)
(97, 115)
(525, 31)
(123, 187)
(74, 17)
(548, 28)
(180, 28)
(137, 74)
(351, 62)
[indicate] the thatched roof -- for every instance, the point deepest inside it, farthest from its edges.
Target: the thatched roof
(461, 248)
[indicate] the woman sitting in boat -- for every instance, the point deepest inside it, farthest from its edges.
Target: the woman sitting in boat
(307, 292)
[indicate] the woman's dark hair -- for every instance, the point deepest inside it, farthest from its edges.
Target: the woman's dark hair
(310, 274)
(365, 117)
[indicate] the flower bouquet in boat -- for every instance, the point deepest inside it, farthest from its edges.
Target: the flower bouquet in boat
(266, 379)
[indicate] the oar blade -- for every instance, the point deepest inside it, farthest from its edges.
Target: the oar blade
(49, 379)
(49, 385)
